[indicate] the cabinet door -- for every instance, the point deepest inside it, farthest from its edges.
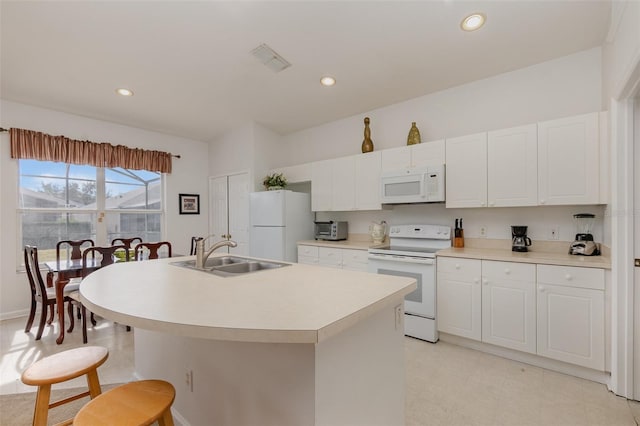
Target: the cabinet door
(396, 159)
(509, 305)
(512, 167)
(239, 213)
(428, 154)
(218, 207)
(367, 181)
(331, 257)
(344, 184)
(459, 298)
(571, 325)
(355, 260)
(321, 185)
(568, 160)
(466, 171)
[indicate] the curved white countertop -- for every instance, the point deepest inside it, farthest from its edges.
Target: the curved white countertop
(292, 304)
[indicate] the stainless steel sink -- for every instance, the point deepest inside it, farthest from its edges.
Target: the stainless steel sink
(229, 266)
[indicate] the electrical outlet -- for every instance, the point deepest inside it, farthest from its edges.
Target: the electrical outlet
(554, 233)
(399, 317)
(483, 232)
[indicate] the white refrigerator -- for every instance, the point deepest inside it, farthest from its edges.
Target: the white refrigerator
(279, 219)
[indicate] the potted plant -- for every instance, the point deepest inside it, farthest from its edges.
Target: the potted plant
(274, 181)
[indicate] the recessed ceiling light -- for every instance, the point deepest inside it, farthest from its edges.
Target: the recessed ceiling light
(327, 81)
(124, 92)
(473, 22)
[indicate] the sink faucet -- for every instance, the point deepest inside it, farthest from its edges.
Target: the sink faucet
(201, 256)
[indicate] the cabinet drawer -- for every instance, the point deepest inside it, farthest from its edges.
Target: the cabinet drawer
(307, 251)
(350, 256)
(571, 276)
(460, 268)
(308, 260)
(511, 271)
(330, 256)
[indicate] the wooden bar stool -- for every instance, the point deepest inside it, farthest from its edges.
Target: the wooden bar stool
(59, 368)
(133, 404)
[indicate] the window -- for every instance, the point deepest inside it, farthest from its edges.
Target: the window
(60, 201)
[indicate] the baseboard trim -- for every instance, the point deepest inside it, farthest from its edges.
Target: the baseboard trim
(14, 314)
(535, 360)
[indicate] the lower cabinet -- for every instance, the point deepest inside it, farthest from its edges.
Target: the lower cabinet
(352, 259)
(571, 315)
(553, 311)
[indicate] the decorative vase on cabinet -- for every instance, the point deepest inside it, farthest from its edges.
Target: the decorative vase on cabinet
(414, 135)
(367, 143)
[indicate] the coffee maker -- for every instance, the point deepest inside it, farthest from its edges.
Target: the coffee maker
(584, 245)
(519, 241)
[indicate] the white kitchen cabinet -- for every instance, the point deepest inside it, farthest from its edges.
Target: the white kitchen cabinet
(509, 305)
(568, 160)
(459, 297)
(355, 260)
(333, 257)
(512, 167)
(466, 171)
(419, 155)
(570, 315)
(346, 183)
(308, 255)
(322, 185)
(367, 181)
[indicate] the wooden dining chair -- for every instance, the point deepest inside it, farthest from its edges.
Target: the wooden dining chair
(104, 256)
(150, 250)
(40, 292)
(127, 242)
(73, 251)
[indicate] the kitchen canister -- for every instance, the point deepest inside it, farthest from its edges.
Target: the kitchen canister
(414, 135)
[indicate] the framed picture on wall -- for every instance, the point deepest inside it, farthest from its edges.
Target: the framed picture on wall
(189, 203)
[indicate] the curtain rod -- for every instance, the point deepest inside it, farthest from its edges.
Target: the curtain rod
(2, 129)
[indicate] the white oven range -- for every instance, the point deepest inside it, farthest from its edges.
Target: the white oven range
(411, 253)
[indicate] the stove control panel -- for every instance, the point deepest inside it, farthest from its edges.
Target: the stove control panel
(433, 232)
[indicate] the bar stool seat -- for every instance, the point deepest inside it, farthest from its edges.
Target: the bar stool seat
(59, 368)
(132, 404)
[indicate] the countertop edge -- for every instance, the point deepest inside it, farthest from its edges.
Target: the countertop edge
(542, 258)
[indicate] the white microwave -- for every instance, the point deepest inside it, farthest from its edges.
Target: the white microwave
(416, 185)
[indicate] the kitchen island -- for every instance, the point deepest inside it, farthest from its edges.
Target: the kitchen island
(297, 345)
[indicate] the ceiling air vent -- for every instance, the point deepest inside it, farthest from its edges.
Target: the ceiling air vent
(269, 58)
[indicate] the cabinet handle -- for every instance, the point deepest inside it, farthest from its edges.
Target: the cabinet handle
(542, 289)
(507, 271)
(485, 282)
(492, 203)
(568, 277)
(457, 266)
(541, 201)
(476, 280)
(483, 204)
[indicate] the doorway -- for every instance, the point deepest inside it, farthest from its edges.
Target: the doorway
(229, 211)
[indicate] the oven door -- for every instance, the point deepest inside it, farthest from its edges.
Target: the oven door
(423, 299)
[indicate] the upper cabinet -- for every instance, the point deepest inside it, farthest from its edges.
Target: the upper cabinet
(346, 183)
(512, 167)
(419, 155)
(552, 163)
(466, 171)
(568, 161)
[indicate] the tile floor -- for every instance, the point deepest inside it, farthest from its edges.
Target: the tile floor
(446, 384)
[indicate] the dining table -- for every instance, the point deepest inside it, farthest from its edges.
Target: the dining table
(66, 269)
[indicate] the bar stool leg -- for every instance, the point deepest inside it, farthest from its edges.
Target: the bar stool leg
(41, 412)
(93, 383)
(166, 419)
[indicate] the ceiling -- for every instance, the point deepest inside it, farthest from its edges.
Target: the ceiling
(190, 67)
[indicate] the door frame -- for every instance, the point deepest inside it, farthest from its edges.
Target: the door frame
(625, 351)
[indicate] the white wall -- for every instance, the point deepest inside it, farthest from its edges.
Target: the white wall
(189, 176)
(622, 48)
(562, 87)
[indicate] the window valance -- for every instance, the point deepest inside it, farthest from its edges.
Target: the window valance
(28, 144)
